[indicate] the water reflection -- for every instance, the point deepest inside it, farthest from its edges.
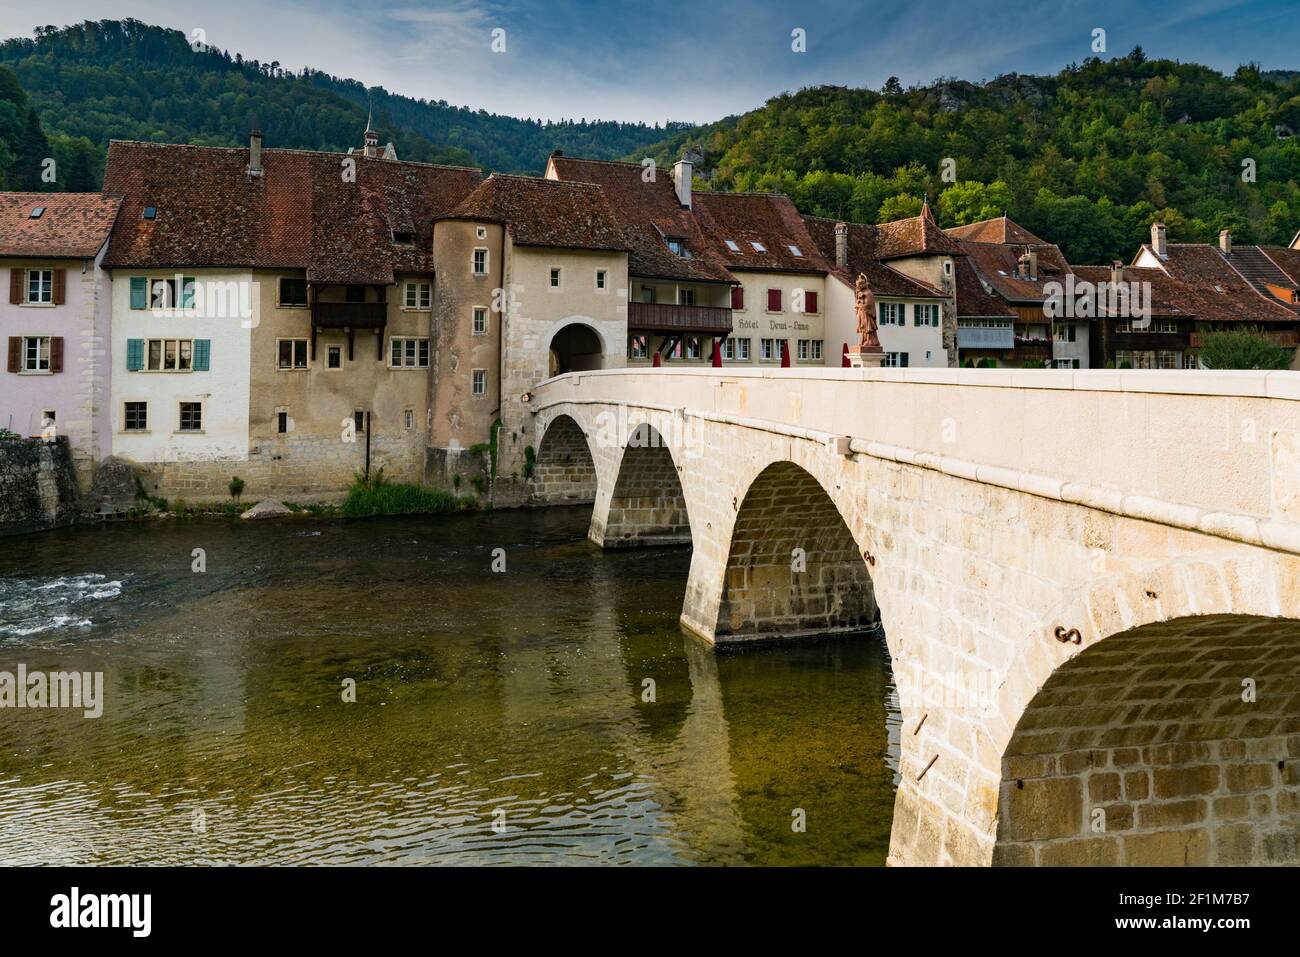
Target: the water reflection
(499, 717)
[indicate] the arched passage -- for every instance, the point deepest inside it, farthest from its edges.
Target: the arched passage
(1168, 744)
(576, 348)
(793, 567)
(563, 470)
(647, 506)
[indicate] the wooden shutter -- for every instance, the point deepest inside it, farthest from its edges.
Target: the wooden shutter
(810, 302)
(774, 300)
(56, 352)
(202, 352)
(60, 286)
(134, 355)
(16, 276)
(737, 297)
(139, 292)
(15, 353)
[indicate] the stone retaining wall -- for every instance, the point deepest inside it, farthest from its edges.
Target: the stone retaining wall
(38, 485)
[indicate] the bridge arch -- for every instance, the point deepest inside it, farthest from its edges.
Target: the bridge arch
(793, 567)
(647, 505)
(563, 470)
(1171, 743)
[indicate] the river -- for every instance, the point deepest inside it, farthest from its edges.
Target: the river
(553, 712)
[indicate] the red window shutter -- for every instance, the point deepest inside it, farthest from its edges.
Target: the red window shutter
(737, 297)
(774, 300)
(15, 352)
(56, 353)
(60, 285)
(810, 302)
(15, 286)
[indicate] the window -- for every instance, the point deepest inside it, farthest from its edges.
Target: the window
(1063, 333)
(36, 354)
(165, 295)
(758, 247)
(293, 292)
(135, 417)
(40, 286)
(892, 314)
(480, 232)
(767, 349)
(478, 382)
(810, 302)
(693, 347)
(648, 294)
(191, 417)
(809, 350)
(731, 244)
(419, 295)
(480, 262)
(403, 237)
(774, 300)
(36, 213)
(638, 347)
(292, 353)
(947, 267)
(408, 419)
(169, 355)
(925, 314)
(802, 350)
(686, 297)
(816, 349)
(677, 248)
(282, 422)
(359, 422)
(742, 350)
(600, 279)
(737, 297)
(896, 360)
(355, 294)
(409, 354)
(1065, 363)
(334, 357)
(1164, 325)
(480, 320)
(150, 212)
(1167, 359)
(555, 277)
(795, 251)
(728, 348)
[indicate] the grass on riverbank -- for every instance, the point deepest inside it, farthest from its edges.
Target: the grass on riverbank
(378, 496)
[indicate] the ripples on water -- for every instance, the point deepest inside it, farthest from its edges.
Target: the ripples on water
(499, 717)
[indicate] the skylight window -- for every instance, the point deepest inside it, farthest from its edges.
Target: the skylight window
(403, 238)
(678, 248)
(151, 212)
(731, 244)
(758, 247)
(794, 250)
(36, 213)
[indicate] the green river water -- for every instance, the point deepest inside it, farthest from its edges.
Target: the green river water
(499, 717)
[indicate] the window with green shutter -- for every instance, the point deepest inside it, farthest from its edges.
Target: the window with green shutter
(187, 292)
(134, 355)
(202, 352)
(139, 292)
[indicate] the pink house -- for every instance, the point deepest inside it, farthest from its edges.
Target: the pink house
(55, 325)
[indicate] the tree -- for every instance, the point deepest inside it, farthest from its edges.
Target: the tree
(971, 202)
(898, 206)
(1246, 348)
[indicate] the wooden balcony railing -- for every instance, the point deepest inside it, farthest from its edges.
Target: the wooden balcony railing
(664, 317)
(354, 315)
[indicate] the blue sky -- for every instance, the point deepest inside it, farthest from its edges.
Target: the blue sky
(697, 60)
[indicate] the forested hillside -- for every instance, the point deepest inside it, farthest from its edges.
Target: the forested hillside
(128, 80)
(1087, 158)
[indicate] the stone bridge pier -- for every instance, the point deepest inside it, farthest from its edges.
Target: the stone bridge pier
(1088, 583)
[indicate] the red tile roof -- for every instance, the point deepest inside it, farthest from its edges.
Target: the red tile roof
(917, 236)
(299, 214)
(973, 300)
(73, 225)
(1287, 258)
(1214, 291)
(1000, 230)
(998, 265)
(885, 279)
(651, 215)
(1169, 297)
(768, 219)
(546, 212)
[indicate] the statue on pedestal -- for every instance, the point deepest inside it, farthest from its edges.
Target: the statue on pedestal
(865, 301)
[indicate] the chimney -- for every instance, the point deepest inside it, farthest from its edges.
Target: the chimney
(682, 171)
(1225, 242)
(255, 153)
(1116, 272)
(1158, 244)
(1028, 264)
(842, 245)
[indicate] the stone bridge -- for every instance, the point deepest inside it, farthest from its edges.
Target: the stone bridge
(1088, 582)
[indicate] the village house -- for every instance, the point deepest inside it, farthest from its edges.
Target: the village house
(1222, 287)
(909, 311)
(56, 322)
(272, 314)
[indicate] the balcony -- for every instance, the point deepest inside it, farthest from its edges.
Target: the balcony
(663, 317)
(353, 315)
(1289, 338)
(985, 337)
